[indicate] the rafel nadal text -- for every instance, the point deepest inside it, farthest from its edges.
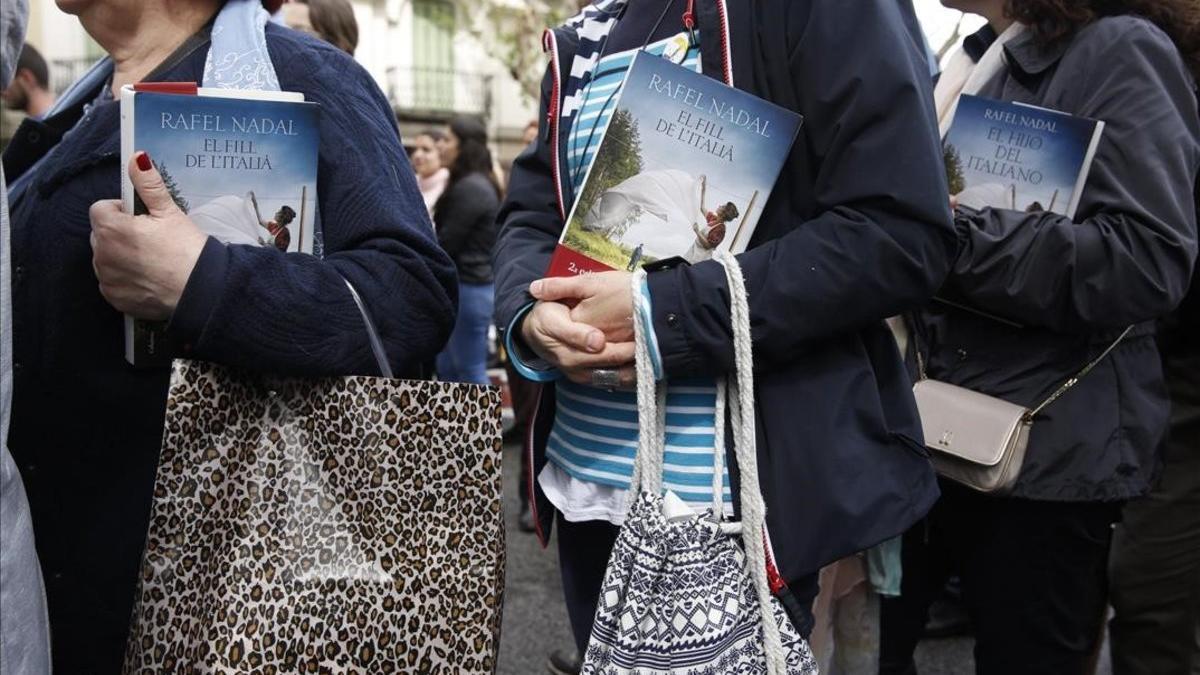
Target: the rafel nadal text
(259, 126)
(702, 124)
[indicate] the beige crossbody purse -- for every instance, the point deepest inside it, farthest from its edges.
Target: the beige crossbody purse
(980, 440)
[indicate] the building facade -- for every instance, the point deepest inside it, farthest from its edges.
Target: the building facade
(419, 52)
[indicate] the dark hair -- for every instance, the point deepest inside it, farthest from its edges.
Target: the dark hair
(285, 215)
(435, 134)
(1056, 20)
(731, 210)
(31, 60)
(334, 21)
(473, 156)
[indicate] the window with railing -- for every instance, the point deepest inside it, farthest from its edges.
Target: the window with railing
(433, 54)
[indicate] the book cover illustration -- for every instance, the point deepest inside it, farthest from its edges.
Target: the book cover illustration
(244, 169)
(1013, 156)
(684, 169)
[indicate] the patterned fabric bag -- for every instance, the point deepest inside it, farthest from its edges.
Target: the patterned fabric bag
(681, 594)
(339, 525)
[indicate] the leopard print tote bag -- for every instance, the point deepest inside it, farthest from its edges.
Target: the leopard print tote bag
(338, 525)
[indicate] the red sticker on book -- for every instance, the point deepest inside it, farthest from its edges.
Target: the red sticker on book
(185, 88)
(568, 263)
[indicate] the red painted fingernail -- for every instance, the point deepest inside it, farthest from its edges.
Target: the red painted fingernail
(143, 162)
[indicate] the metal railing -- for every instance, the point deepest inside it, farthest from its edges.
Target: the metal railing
(437, 91)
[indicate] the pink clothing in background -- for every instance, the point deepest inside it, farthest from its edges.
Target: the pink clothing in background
(433, 187)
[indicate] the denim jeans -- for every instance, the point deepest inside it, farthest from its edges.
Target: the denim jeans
(465, 357)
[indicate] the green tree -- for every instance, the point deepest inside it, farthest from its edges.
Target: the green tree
(512, 33)
(173, 188)
(954, 169)
(620, 158)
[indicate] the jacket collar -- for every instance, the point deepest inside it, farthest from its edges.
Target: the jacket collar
(977, 43)
(1031, 58)
(1023, 52)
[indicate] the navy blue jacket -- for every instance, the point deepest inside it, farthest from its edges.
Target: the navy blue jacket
(87, 427)
(1068, 287)
(858, 228)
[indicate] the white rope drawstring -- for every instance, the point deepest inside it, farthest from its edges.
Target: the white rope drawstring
(736, 394)
(754, 510)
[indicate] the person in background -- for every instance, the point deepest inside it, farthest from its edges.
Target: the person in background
(86, 427)
(432, 177)
(331, 20)
(29, 89)
(1155, 564)
(24, 626)
(1034, 562)
(465, 220)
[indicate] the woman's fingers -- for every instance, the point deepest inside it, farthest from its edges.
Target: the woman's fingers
(550, 325)
(615, 354)
(572, 345)
(558, 289)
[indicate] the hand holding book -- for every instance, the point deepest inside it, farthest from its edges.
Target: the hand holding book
(601, 300)
(143, 262)
(560, 326)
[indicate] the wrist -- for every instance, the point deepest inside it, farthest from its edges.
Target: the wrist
(526, 332)
(524, 360)
(191, 247)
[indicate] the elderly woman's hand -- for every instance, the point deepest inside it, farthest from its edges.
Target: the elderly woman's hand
(143, 262)
(576, 349)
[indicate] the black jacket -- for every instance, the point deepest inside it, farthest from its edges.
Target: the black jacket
(857, 229)
(1073, 286)
(465, 218)
(86, 427)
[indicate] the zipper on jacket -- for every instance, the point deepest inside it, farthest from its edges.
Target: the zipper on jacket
(726, 57)
(550, 44)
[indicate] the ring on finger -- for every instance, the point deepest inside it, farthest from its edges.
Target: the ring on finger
(606, 378)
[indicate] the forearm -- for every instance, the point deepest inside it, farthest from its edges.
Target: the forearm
(292, 314)
(1110, 270)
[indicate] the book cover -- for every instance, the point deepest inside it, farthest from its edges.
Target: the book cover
(684, 169)
(1012, 156)
(241, 164)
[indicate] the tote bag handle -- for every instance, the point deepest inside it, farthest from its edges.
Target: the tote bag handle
(738, 394)
(381, 359)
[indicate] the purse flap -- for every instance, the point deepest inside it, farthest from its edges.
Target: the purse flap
(964, 423)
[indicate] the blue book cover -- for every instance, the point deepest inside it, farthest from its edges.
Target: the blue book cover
(1012, 156)
(684, 169)
(241, 164)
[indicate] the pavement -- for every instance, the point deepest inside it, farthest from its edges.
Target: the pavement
(535, 618)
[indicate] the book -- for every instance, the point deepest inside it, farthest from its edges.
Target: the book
(242, 164)
(684, 168)
(1015, 156)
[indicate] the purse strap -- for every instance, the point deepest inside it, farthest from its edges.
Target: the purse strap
(385, 368)
(1066, 386)
(738, 394)
(1062, 389)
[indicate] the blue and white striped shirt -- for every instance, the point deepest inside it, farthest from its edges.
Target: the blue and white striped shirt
(594, 436)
